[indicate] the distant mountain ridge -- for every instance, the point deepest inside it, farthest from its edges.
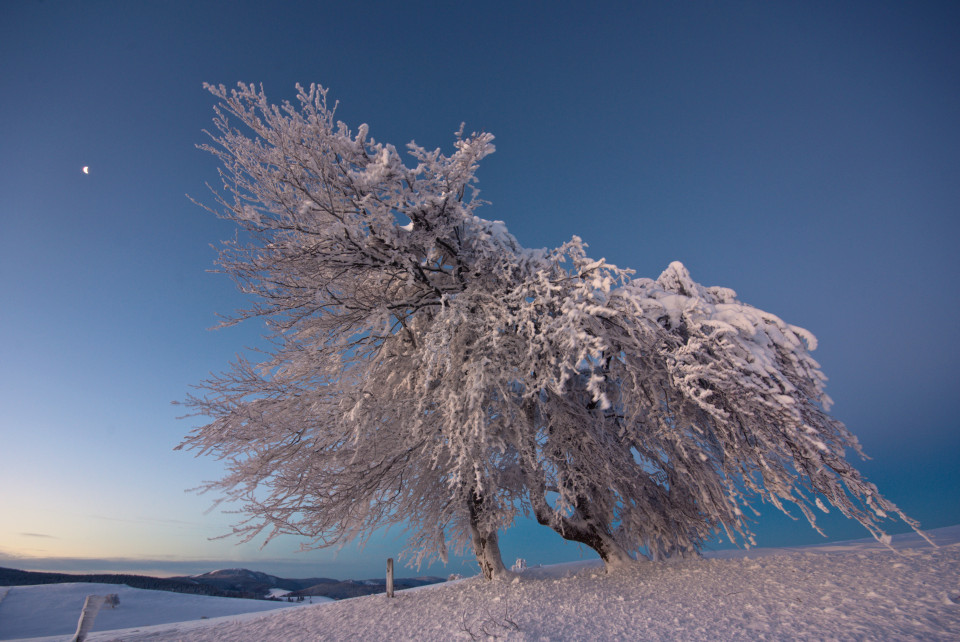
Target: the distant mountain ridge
(232, 582)
(253, 582)
(15, 577)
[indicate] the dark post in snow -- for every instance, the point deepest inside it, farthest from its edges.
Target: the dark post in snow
(389, 577)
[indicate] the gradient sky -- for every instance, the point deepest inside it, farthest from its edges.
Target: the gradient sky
(805, 154)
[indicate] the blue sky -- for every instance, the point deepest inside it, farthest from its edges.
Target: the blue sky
(805, 154)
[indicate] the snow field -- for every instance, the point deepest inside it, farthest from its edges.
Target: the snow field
(54, 609)
(853, 592)
(857, 590)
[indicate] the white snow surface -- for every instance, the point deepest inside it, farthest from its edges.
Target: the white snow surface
(46, 610)
(857, 590)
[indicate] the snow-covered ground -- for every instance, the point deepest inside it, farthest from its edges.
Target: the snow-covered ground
(53, 609)
(855, 590)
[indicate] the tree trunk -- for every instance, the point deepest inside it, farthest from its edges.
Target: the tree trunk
(486, 544)
(584, 528)
(587, 531)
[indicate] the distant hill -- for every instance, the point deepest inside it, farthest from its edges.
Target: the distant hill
(14, 577)
(247, 581)
(350, 588)
(260, 584)
(233, 582)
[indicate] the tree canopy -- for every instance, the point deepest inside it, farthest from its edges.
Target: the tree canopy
(428, 371)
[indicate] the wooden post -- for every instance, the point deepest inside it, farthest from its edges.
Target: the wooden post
(90, 608)
(390, 577)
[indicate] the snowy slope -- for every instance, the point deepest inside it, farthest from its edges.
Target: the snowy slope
(856, 590)
(53, 609)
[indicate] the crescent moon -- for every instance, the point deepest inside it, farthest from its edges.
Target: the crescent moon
(86, 170)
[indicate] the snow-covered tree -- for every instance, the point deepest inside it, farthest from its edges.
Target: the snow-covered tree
(351, 257)
(429, 372)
